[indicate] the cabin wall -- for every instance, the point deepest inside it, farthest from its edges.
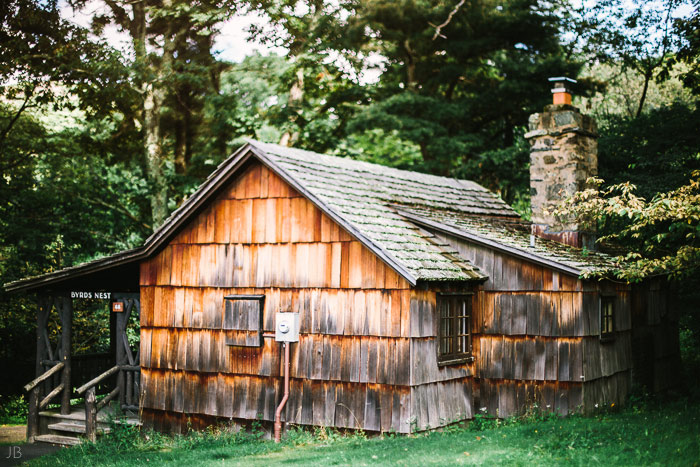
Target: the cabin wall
(439, 394)
(655, 338)
(536, 338)
(351, 367)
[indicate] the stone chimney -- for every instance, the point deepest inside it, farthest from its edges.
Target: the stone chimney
(563, 155)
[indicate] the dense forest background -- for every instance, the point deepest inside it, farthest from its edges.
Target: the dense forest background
(98, 145)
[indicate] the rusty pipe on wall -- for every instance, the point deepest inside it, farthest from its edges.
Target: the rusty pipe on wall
(278, 412)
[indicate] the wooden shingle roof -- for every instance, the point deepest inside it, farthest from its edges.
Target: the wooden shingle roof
(390, 211)
(511, 236)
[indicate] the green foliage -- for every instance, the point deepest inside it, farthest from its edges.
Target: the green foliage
(62, 201)
(617, 93)
(380, 147)
(656, 152)
(47, 61)
(637, 37)
(660, 236)
(688, 32)
(464, 97)
(504, 171)
(13, 410)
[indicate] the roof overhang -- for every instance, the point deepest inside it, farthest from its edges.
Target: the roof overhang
(450, 230)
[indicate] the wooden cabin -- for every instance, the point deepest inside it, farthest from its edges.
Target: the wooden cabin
(422, 301)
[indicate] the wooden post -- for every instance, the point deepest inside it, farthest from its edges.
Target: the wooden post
(33, 415)
(135, 396)
(113, 336)
(42, 319)
(90, 415)
(129, 388)
(66, 308)
(122, 321)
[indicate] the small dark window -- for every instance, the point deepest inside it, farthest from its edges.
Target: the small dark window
(607, 318)
(454, 336)
(243, 320)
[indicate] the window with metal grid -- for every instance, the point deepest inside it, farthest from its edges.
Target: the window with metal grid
(607, 318)
(454, 336)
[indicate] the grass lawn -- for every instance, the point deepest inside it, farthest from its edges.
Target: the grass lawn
(653, 433)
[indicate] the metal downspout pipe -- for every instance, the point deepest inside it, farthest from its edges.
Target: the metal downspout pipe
(278, 412)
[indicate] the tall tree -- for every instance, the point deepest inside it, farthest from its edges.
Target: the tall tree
(688, 33)
(467, 90)
(637, 36)
(48, 62)
(174, 69)
(321, 82)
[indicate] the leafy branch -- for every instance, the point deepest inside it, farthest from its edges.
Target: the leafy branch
(660, 236)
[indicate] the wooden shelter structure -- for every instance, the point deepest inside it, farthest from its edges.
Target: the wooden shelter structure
(422, 300)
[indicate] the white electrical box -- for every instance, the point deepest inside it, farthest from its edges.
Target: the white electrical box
(286, 327)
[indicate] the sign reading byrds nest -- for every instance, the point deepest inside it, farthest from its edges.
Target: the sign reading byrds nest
(97, 295)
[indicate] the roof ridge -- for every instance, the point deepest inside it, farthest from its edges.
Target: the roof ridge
(464, 183)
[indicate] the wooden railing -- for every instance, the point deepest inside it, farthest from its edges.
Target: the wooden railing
(124, 385)
(35, 405)
(92, 407)
(56, 373)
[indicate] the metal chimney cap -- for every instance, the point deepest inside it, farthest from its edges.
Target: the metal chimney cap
(562, 79)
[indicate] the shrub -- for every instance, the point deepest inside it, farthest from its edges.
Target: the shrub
(13, 410)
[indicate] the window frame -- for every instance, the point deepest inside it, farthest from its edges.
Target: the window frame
(443, 303)
(604, 301)
(258, 340)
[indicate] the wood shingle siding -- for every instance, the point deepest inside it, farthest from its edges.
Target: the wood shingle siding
(351, 367)
(537, 335)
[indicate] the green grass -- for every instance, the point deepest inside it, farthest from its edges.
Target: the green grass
(650, 433)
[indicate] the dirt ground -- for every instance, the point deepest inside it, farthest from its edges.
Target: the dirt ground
(13, 434)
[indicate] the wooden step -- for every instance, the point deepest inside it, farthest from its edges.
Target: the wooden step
(71, 427)
(75, 427)
(56, 439)
(77, 415)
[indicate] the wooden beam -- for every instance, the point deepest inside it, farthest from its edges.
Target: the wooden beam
(66, 309)
(33, 416)
(97, 379)
(42, 318)
(107, 399)
(43, 377)
(90, 415)
(50, 396)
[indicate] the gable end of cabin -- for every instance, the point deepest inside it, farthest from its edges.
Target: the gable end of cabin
(361, 324)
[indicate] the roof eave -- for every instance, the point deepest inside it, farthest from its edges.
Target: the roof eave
(56, 277)
(490, 243)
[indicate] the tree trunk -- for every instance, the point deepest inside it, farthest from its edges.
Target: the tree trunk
(647, 78)
(153, 98)
(153, 92)
(411, 83)
(296, 95)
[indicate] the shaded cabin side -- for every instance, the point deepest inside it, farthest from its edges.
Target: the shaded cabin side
(537, 336)
(440, 394)
(352, 366)
(655, 338)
